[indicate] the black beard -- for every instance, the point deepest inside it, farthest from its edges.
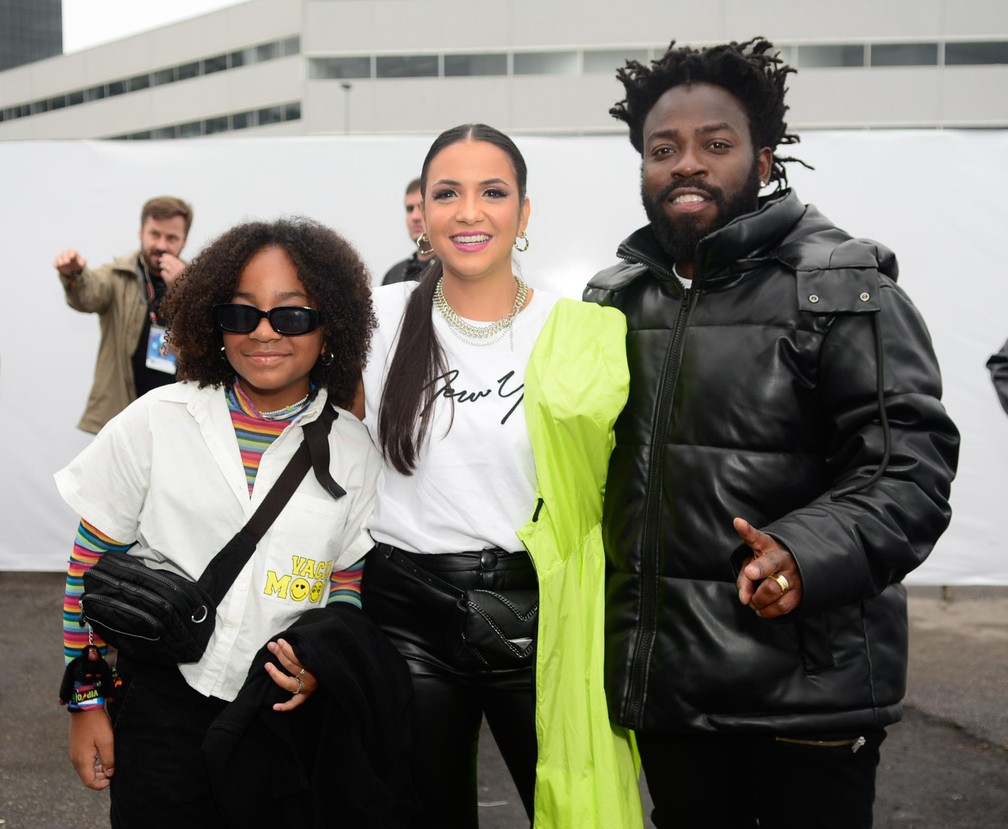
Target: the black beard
(680, 237)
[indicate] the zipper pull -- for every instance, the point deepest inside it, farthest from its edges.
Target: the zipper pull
(860, 741)
(539, 506)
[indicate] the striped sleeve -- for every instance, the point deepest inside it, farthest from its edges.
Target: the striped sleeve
(345, 585)
(90, 545)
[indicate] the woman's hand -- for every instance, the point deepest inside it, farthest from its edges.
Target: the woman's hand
(299, 681)
(92, 749)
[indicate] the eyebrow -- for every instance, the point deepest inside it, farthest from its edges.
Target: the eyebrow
(706, 129)
(453, 183)
(281, 295)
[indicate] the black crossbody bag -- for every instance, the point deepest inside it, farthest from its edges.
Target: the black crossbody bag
(162, 617)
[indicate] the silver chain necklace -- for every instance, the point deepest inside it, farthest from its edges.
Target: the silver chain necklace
(480, 334)
(287, 411)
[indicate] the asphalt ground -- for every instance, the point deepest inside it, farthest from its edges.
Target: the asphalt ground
(945, 766)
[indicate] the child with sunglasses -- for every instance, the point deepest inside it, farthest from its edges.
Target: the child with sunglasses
(270, 323)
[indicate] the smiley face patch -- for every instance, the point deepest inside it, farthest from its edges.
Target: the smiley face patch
(305, 582)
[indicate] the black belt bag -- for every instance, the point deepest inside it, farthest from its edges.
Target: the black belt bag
(159, 616)
(499, 627)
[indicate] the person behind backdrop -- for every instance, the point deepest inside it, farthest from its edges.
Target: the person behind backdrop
(133, 356)
(412, 267)
(493, 405)
(997, 365)
(783, 462)
(271, 323)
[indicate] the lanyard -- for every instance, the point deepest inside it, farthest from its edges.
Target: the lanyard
(148, 288)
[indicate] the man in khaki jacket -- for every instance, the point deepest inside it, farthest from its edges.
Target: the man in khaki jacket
(133, 357)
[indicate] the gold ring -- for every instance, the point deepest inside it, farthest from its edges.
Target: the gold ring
(782, 582)
(300, 686)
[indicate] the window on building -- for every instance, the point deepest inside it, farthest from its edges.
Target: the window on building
(212, 125)
(290, 46)
(267, 51)
(475, 65)
(269, 115)
(162, 76)
(607, 61)
(241, 120)
(117, 88)
(545, 63)
(96, 93)
(75, 98)
(326, 68)
(292, 112)
(188, 70)
(191, 129)
(243, 57)
(139, 82)
(904, 54)
(972, 54)
(218, 63)
(823, 56)
(163, 132)
(406, 66)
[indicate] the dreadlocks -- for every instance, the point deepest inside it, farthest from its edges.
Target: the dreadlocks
(751, 71)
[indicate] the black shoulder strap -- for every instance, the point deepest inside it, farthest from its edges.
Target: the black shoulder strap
(316, 435)
(313, 453)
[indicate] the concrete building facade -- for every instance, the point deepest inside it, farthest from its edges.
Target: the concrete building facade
(304, 67)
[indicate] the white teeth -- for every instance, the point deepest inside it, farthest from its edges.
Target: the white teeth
(687, 198)
(472, 240)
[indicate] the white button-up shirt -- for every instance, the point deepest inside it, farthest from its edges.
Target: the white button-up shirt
(167, 473)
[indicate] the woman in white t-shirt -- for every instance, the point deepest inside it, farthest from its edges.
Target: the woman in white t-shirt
(270, 323)
(454, 579)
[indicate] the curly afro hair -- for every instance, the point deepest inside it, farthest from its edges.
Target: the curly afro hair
(751, 71)
(334, 277)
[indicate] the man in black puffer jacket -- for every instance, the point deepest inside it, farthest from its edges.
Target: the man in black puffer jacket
(784, 460)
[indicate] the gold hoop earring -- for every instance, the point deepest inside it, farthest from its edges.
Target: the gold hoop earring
(420, 245)
(524, 239)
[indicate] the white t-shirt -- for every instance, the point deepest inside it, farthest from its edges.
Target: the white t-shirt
(167, 472)
(474, 484)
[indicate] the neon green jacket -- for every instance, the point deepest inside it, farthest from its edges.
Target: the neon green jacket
(576, 384)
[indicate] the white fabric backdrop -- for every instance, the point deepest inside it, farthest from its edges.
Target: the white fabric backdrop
(934, 197)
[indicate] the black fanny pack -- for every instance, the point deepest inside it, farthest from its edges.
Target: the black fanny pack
(499, 627)
(162, 617)
(153, 615)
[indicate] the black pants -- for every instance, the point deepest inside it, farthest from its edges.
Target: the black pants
(451, 695)
(160, 777)
(743, 782)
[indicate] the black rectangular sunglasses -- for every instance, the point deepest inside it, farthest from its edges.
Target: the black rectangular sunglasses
(288, 320)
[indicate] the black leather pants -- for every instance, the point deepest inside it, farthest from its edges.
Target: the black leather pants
(452, 696)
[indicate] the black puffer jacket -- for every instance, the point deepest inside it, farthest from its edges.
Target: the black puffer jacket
(764, 386)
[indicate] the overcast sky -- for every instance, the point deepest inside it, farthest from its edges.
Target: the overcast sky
(87, 23)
